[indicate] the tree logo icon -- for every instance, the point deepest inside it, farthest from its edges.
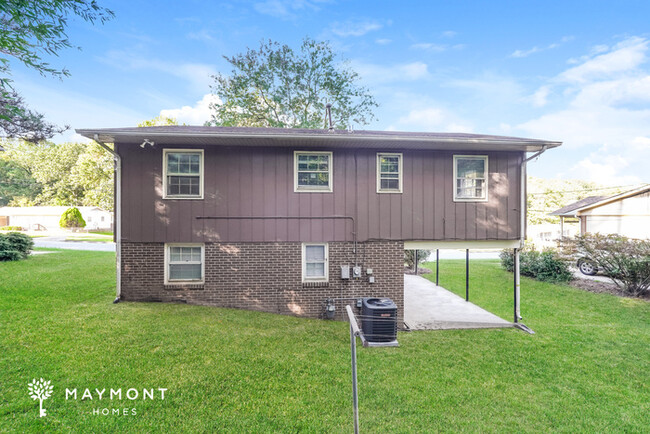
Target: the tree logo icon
(41, 390)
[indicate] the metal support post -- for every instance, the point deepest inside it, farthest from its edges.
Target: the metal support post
(467, 275)
(416, 262)
(517, 283)
(437, 264)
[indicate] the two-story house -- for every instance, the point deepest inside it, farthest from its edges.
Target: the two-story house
(291, 220)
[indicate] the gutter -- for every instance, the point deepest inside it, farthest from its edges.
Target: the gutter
(522, 234)
(522, 228)
(118, 218)
(303, 136)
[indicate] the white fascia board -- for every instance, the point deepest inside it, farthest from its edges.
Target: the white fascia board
(462, 244)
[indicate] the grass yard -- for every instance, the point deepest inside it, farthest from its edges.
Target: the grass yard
(586, 369)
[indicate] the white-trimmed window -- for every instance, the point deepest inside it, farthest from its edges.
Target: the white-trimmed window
(182, 174)
(470, 178)
(389, 172)
(312, 171)
(315, 266)
(184, 263)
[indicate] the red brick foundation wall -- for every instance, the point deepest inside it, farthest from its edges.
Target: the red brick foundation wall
(268, 277)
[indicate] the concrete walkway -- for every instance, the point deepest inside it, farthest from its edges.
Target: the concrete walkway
(431, 307)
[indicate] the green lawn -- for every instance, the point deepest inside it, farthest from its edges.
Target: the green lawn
(586, 369)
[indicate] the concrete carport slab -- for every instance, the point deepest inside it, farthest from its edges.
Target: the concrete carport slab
(431, 307)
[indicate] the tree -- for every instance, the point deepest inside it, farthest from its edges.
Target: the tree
(29, 30)
(159, 121)
(16, 182)
(276, 86)
(409, 257)
(71, 218)
(66, 174)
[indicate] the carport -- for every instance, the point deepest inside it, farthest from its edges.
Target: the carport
(431, 307)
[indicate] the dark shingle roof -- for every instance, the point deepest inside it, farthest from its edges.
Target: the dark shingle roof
(567, 211)
(248, 136)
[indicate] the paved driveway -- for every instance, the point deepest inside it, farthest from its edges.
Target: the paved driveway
(431, 307)
(61, 243)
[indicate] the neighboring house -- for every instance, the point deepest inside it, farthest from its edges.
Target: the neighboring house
(291, 221)
(625, 214)
(46, 218)
(546, 234)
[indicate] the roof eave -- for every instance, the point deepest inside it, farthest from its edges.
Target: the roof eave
(129, 137)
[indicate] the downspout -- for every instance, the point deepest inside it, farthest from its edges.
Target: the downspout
(522, 232)
(118, 218)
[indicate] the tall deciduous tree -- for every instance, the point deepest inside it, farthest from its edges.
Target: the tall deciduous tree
(28, 31)
(276, 86)
(66, 174)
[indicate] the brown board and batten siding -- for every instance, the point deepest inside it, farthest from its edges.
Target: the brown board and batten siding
(259, 181)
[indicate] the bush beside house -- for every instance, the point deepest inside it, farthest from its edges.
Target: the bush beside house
(546, 265)
(624, 260)
(15, 246)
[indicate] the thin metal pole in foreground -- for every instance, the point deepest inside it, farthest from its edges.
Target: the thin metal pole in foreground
(437, 263)
(354, 331)
(466, 274)
(517, 285)
(416, 262)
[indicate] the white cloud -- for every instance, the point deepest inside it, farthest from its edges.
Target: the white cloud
(354, 28)
(378, 74)
(201, 35)
(539, 98)
(193, 115)
(383, 41)
(196, 74)
(431, 119)
(624, 56)
(537, 49)
(286, 9)
(604, 169)
(448, 34)
(605, 113)
(428, 46)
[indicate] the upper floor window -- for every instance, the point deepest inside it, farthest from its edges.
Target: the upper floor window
(470, 177)
(313, 171)
(182, 174)
(389, 173)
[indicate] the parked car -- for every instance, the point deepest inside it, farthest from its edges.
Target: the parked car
(587, 266)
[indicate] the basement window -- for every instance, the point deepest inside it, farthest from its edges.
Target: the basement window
(470, 177)
(313, 172)
(315, 266)
(182, 174)
(184, 263)
(389, 173)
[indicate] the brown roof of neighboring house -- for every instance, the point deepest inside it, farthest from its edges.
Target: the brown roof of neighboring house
(248, 136)
(568, 211)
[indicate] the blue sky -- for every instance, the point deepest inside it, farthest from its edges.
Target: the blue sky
(574, 71)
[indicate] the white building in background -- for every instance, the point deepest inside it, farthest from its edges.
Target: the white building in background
(547, 234)
(46, 218)
(626, 214)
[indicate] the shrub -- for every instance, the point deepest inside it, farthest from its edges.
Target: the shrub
(624, 260)
(11, 228)
(15, 246)
(409, 257)
(71, 218)
(546, 265)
